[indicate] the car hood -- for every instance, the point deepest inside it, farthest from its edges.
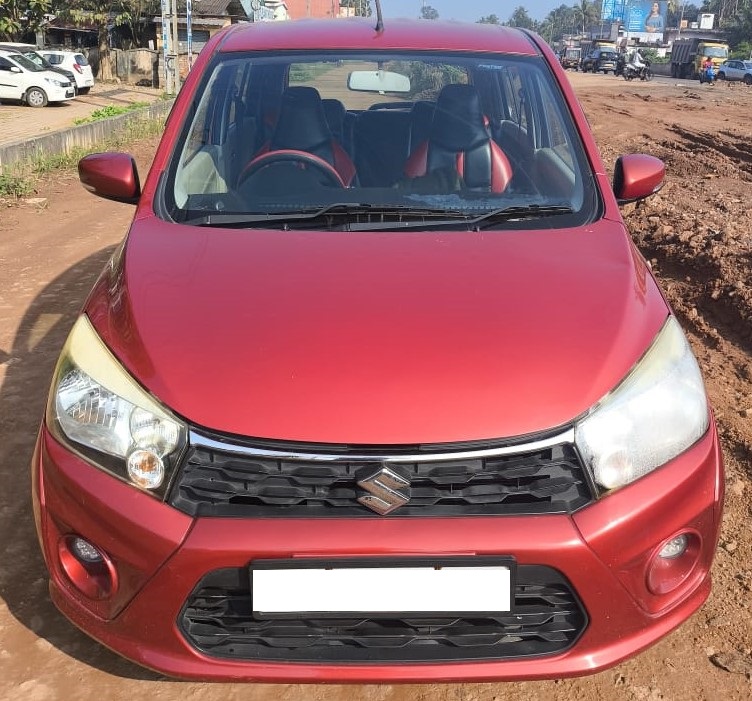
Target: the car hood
(377, 338)
(52, 74)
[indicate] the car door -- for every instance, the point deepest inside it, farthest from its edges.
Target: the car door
(734, 71)
(11, 84)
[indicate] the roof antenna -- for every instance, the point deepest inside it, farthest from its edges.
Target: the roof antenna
(379, 17)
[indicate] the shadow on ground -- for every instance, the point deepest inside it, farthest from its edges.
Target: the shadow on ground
(29, 364)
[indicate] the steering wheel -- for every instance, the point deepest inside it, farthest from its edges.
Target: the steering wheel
(325, 172)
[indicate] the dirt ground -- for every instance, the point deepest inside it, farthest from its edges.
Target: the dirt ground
(697, 235)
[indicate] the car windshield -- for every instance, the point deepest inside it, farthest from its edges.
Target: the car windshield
(716, 51)
(358, 142)
(34, 57)
(26, 63)
(748, 65)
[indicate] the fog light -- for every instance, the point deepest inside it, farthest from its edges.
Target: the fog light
(85, 551)
(145, 468)
(87, 567)
(673, 563)
(675, 547)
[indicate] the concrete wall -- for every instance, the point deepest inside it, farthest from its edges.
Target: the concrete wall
(82, 136)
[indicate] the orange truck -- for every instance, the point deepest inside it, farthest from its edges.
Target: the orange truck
(687, 56)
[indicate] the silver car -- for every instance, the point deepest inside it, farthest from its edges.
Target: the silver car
(734, 69)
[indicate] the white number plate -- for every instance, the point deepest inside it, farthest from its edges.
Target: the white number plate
(404, 589)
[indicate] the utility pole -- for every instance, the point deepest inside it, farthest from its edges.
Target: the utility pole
(189, 32)
(175, 48)
(170, 46)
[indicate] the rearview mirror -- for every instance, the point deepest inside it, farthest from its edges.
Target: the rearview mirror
(378, 81)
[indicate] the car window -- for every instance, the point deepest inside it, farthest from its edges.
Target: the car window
(274, 135)
(54, 59)
(36, 58)
(26, 63)
(81, 60)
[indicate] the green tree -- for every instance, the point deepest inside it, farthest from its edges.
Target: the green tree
(589, 13)
(101, 14)
(738, 28)
(105, 14)
(428, 12)
(520, 18)
(561, 21)
(20, 17)
(491, 19)
(677, 11)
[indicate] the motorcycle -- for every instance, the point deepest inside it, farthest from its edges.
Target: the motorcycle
(643, 72)
(708, 75)
(620, 63)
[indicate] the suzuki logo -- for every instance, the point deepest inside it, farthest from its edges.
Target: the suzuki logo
(387, 490)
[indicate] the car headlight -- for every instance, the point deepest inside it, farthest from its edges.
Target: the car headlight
(54, 82)
(100, 411)
(656, 413)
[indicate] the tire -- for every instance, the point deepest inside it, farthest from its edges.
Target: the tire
(84, 91)
(36, 97)
(748, 79)
(648, 74)
(721, 76)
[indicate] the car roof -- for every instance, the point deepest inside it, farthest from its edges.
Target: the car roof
(359, 33)
(17, 46)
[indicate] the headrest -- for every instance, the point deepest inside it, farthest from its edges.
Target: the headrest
(302, 125)
(458, 121)
(335, 112)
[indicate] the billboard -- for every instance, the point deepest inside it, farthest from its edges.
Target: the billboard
(641, 19)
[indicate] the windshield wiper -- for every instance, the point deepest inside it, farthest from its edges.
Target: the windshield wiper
(340, 215)
(471, 223)
(520, 213)
(369, 217)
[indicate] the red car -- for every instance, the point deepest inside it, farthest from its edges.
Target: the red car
(377, 387)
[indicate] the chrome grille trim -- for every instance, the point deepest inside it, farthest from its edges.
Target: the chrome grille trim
(199, 440)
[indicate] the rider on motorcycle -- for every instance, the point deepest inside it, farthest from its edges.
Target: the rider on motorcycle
(635, 62)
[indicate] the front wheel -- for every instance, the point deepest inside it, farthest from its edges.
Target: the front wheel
(647, 74)
(36, 97)
(748, 79)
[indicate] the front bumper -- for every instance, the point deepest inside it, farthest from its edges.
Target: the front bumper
(160, 555)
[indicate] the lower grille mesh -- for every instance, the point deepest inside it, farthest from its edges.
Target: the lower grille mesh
(547, 618)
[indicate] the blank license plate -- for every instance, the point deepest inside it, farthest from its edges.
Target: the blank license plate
(290, 587)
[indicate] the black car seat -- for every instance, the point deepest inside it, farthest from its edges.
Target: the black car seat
(302, 128)
(459, 139)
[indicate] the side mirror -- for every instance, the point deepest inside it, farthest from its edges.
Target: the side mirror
(113, 176)
(637, 176)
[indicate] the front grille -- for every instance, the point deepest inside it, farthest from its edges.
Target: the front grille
(218, 478)
(547, 618)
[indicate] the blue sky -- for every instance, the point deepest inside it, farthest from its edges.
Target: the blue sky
(471, 10)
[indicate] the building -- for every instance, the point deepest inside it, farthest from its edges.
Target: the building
(298, 9)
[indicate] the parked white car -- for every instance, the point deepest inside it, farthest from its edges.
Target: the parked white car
(73, 61)
(22, 79)
(734, 69)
